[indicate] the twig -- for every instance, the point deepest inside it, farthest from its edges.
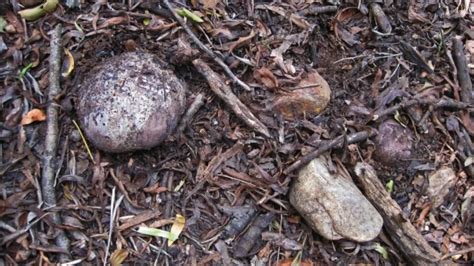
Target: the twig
(51, 141)
(444, 102)
(335, 143)
(205, 49)
(463, 72)
(405, 236)
(224, 92)
(192, 110)
(459, 252)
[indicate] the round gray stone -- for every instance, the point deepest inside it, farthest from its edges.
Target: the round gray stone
(130, 102)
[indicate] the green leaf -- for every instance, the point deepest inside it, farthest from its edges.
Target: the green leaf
(3, 24)
(389, 186)
(382, 250)
(25, 70)
(154, 232)
(184, 12)
(36, 12)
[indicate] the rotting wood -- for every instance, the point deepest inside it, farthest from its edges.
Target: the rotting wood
(224, 92)
(414, 247)
(335, 143)
(52, 136)
(205, 49)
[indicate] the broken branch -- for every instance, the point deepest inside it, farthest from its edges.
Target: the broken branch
(335, 143)
(51, 141)
(224, 92)
(413, 246)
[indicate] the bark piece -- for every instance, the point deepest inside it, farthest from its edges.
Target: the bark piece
(413, 246)
(332, 205)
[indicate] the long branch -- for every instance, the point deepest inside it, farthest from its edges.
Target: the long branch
(51, 141)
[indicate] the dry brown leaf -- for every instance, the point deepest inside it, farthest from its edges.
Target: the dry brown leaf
(118, 256)
(33, 116)
(155, 189)
(266, 77)
(209, 4)
(113, 21)
(289, 262)
(230, 46)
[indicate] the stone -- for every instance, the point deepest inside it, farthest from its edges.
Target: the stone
(309, 98)
(440, 183)
(332, 205)
(394, 143)
(130, 102)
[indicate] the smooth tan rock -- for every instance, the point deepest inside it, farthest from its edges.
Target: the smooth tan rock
(309, 98)
(130, 102)
(332, 205)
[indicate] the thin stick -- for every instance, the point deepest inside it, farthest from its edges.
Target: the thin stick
(224, 92)
(51, 142)
(192, 110)
(462, 69)
(205, 49)
(335, 143)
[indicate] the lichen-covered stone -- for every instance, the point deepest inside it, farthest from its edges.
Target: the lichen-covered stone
(332, 205)
(130, 102)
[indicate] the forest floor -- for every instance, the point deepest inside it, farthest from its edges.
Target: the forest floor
(206, 187)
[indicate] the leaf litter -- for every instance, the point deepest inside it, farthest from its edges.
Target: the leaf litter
(227, 181)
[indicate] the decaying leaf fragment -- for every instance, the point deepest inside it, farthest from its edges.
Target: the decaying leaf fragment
(35, 13)
(68, 64)
(266, 77)
(172, 235)
(35, 115)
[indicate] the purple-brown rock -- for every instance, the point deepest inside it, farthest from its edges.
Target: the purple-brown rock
(130, 102)
(394, 143)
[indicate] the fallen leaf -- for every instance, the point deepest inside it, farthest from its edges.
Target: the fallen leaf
(118, 256)
(266, 77)
(172, 235)
(209, 4)
(68, 64)
(35, 13)
(3, 23)
(230, 46)
(33, 116)
(113, 21)
(176, 228)
(184, 12)
(155, 189)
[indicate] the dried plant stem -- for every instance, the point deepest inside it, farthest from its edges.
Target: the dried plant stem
(205, 49)
(51, 142)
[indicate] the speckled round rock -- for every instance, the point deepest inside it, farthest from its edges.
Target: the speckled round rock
(130, 102)
(394, 143)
